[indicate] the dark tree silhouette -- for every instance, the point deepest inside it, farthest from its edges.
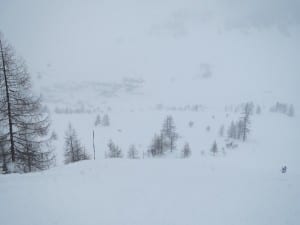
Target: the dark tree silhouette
(214, 148)
(232, 131)
(245, 121)
(74, 151)
(24, 123)
(97, 121)
(114, 151)
(157, 146)
(169, 133)
(132, 152)
(186, 151)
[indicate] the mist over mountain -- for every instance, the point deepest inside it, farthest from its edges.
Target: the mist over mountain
(245, 50)
(179, 112)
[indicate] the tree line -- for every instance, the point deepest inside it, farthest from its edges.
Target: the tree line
(26, 143)
(161, 144)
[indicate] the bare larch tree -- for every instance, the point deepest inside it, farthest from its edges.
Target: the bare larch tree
(24, 123)
(169, 133)
(114, 151)
(245, 121)
(74, 150)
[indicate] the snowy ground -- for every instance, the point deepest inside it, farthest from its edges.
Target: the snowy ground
(124, 58)
(272, 140)
(167, 191)
(244, 186)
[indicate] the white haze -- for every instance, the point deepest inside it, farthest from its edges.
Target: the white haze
(139, 61)
(211, 50)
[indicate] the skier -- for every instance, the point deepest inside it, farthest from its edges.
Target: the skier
(283, 169)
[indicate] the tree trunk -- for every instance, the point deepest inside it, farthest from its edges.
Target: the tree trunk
(72, 151)
(12, 144)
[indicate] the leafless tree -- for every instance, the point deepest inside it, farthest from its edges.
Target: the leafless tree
(74, 150)
(245, 121)
(214, 148)
(186, 151)
(4, 153)
(114, 151)
(97, 121)
(157, 146)
(169, 133)
(133, 152)
(24, 123)
(232, 131)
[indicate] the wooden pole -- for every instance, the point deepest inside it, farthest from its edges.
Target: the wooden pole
(94, 145)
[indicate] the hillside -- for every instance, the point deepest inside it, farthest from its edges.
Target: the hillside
(218, 191)
(138, 62)
(238, 186)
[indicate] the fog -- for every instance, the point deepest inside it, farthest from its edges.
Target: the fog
(247, 46)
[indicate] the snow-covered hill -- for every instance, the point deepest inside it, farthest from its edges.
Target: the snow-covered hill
(237, 186)
(133, 192)
(139, 61)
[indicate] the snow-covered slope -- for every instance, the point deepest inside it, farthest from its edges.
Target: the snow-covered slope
(139, 61)
(133, 192)
(238, 186)
(273, 139)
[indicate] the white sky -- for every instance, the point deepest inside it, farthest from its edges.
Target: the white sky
(252, 46)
